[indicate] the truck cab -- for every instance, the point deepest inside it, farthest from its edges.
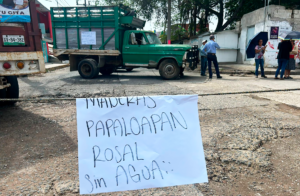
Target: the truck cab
(151, 53)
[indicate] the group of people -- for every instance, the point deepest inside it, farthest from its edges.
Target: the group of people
(208, 54)
(286, 58)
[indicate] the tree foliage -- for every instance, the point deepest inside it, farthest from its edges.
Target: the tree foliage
(197, 13)
(249, 6)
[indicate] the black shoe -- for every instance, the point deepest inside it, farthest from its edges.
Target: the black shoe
(219, 77)
(264, 76)
(203, 75)
(210, 77)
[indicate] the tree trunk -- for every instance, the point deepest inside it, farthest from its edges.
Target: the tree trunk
(195, 19)
(191, 22)
(169, 21)
(220, 16)
(165, 26)
(206, 18)
(230, 20)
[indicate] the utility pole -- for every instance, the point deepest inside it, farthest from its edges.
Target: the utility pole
(169, 22)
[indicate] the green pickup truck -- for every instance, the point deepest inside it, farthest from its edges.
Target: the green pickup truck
(103, 39)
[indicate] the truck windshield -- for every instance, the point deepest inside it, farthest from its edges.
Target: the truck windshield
(153, 39)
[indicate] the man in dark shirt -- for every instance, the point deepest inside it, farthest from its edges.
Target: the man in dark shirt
(283, 57)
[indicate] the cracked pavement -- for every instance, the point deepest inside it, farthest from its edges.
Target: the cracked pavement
(251, 141)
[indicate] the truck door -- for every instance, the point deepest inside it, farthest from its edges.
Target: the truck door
(136, 50)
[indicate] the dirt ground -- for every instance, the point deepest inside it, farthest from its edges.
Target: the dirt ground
(251, 141)
(39, 150)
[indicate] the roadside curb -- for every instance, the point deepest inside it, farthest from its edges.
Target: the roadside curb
(249, 70)
(61, 66)
(252, 72)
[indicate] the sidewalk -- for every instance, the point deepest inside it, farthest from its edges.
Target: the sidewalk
(246, 69)
(54, 66)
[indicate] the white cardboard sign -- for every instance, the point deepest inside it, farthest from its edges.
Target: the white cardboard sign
(131, 143)
(88, 37)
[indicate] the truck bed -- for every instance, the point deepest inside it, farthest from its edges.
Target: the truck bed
(58, 52)
(102, 26)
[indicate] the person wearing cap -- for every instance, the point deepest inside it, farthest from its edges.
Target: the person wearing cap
(203, 59)
(210, 49)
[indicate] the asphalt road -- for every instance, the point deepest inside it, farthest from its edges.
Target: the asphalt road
(251, 141)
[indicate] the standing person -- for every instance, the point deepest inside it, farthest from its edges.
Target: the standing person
(210, 49)
(259, 58)
(291, 63)
(283, 58)
(203, 59)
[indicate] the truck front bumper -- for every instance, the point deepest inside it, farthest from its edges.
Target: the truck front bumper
(192, 57)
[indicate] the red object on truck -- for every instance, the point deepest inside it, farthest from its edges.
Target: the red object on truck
(20, 50)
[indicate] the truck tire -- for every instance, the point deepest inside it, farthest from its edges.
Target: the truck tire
(13, 91)
(107, 70)
(169, 70)
(129, 69)
(88, 69)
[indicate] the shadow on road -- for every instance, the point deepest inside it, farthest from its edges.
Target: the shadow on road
(27, 139)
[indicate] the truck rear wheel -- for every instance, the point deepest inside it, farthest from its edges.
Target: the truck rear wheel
(168, 69)
(88, 69)
(13, 91)
(107, 70)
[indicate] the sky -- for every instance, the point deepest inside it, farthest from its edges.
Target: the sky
(149, 24)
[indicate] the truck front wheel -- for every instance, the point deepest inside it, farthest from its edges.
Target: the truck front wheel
(13, 91)
(168, 69)
(88, 69)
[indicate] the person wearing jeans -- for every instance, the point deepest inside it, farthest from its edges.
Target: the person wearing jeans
(281, 66)
(259, 58)
(211, 57)
(283, 57)
(262, 70)
(210, 49)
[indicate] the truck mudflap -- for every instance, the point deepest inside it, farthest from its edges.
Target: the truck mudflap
(192, 57)
(33, 62)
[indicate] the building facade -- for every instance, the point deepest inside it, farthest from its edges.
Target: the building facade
(265, 19)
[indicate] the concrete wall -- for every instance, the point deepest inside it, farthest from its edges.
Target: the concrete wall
(276, 16)
(227, 40)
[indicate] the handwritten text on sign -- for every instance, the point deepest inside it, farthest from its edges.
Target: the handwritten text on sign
(88, 37)
(133, 143)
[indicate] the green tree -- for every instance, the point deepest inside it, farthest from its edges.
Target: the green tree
(249, 6)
